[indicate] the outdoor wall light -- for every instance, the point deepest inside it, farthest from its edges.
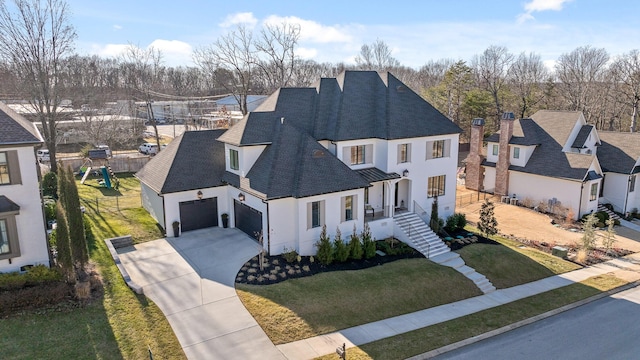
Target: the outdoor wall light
(405, 173)
(199, 195)
(241, 197)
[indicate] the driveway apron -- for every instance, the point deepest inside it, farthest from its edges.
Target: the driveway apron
(191, 279)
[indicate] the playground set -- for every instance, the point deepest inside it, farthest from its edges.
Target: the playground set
(108, 177)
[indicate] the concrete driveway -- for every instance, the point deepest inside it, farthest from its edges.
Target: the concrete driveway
(191, 279)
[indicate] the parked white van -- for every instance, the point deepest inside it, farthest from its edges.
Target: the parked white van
(148, 148)
(43, 155)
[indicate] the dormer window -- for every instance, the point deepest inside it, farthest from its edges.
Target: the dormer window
(494, 150)
(357, 155)
(516, 153)
(234, 162)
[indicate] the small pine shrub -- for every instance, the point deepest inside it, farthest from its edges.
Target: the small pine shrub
(325, 248)
(341, 251)
(368, 244)
(355, 246)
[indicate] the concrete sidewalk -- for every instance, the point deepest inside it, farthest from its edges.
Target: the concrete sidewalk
(627, 268)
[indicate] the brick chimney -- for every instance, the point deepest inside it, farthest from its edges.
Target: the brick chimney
(475, 172)
(502, 166)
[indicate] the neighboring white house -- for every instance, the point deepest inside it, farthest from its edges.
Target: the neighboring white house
(357, 148)
(619, 155)
(555, 157)
(23, 239)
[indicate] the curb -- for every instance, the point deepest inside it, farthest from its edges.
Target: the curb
(521, 323)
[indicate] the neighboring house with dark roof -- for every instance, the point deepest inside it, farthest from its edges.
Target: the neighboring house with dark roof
(619, 155)
(23, 238)
(548, 159)
(348, 150)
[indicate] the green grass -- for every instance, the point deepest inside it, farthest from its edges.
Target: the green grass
(306, 307)
(433, 337)
(120, 325)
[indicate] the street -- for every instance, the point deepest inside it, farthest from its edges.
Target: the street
(604, 329)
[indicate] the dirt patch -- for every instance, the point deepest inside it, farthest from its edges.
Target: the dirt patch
(523, 223)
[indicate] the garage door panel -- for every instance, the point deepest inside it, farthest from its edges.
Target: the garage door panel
(199, 214)
(247, 219)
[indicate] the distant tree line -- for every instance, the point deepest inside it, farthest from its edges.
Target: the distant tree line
(243, 62)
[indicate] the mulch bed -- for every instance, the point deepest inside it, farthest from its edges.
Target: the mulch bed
(277, 269)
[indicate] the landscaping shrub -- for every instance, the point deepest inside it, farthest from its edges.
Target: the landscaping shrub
(325, 248)
(355, 246)
(368, 245)
(36, 275)
(290, 255)
(49, 208)
(341, 251)
(456, 221)
(50, 185)
(33, 296)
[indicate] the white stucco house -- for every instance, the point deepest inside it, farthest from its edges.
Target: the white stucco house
(555, 157)
(361, 147)
(23, 238)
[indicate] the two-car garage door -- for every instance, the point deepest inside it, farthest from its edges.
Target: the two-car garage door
(199, 214)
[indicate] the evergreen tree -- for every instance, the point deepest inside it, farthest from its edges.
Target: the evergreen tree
(589, 234)
(610, 235)
(488, 224)
(62, 188)
(435, 223)
(75, 219)
(325, 248)
(50, 185)
(341, 251)
(355, 246)
(368, 243)
(62, 242)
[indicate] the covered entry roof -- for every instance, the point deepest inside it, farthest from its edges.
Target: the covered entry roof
(374, 174)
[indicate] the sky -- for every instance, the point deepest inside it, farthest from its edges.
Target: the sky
(417, 31)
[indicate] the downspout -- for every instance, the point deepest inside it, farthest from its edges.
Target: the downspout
(580, 202)
(268, 231)
(626, 196)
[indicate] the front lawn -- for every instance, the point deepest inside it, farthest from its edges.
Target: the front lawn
(302, 308)
(117, 325)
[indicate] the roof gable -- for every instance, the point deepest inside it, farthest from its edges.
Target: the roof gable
(295, 165)
(619, 152)
(193, 160)
(16, 129)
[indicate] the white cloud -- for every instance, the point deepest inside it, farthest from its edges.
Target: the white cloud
(239, 18)
(117, 27)
(540, 5)
(306, 53)
(174, 52)
(312, 31)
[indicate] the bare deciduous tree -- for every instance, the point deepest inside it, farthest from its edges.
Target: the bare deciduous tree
(376, 56)
(491, 68)
(626, 72)
(579, 73)
(277, 44)
(527, 76)
(35, 36)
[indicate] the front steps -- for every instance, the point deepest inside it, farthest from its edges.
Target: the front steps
(612, 215)
(454, 261)
(418, 234)
(411, 229)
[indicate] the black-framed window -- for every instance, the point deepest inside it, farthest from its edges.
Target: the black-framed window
(234, 162)
(516, 153)
(315, 214)
(435, 186)
(594, 192)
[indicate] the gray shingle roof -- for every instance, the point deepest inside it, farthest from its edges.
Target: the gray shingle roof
(6, 205)
(295, 165)
(193, 160)
(15, 129)
(354, 105)
(582, 136)
(549, 131)
(619, 151)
